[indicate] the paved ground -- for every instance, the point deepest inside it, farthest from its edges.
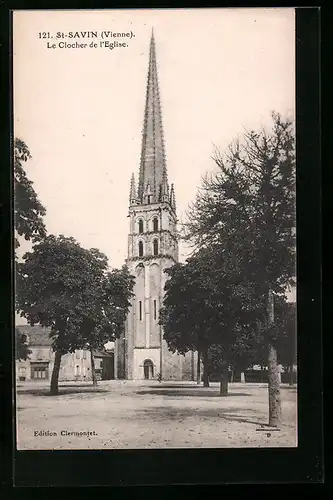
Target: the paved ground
(124, 414)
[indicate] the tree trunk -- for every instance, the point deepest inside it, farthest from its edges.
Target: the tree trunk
(224, 380)
(198, 369)
(291, 375)
(93, 371)
(55, 374)
(262, 373)
(205, 368)
(274, 395)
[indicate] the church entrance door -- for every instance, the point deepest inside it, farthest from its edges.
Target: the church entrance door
(148, 369)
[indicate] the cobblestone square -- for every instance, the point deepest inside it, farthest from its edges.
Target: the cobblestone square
(134, 415)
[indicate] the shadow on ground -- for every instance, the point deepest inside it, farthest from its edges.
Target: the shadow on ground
(189, 392)
(63, 390)
(161, 413)
(174, 386)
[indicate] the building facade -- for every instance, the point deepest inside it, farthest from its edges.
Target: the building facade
(74, 366)
(152, 248)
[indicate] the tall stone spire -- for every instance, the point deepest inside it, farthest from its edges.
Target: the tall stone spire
(153, 164)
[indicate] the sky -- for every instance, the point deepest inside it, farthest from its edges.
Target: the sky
(80, 110)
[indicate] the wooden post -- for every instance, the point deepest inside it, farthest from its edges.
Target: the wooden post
(205, 368)
(93, 371)
(192, 365)
(224, 379)
(198, 368)
(115, 360)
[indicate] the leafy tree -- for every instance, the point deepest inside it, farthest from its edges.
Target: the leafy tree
(249, 205)
(201, 310)
(22, 351)
(287, 338)
(184, 324)
(235, 356)
(105, 321)
(259, 349)
(28, 210)
(219, 362)
(64, 286)
(241, 353)
(285, 323)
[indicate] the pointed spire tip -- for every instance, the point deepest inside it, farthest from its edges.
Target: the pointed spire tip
(152, 164)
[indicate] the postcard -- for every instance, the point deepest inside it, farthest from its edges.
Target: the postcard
(154, 171)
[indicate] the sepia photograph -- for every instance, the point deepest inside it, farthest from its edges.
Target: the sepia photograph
(155, 229)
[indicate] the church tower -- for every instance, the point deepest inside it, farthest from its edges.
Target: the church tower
(152, 248)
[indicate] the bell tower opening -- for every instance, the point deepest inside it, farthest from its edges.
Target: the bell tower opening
(140, 249)
(140, 226)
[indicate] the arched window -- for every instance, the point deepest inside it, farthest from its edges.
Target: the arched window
(140, 249)
(155, 224)
(155, 247)
(140, 226)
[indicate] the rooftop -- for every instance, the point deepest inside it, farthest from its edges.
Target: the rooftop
(40, 336)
